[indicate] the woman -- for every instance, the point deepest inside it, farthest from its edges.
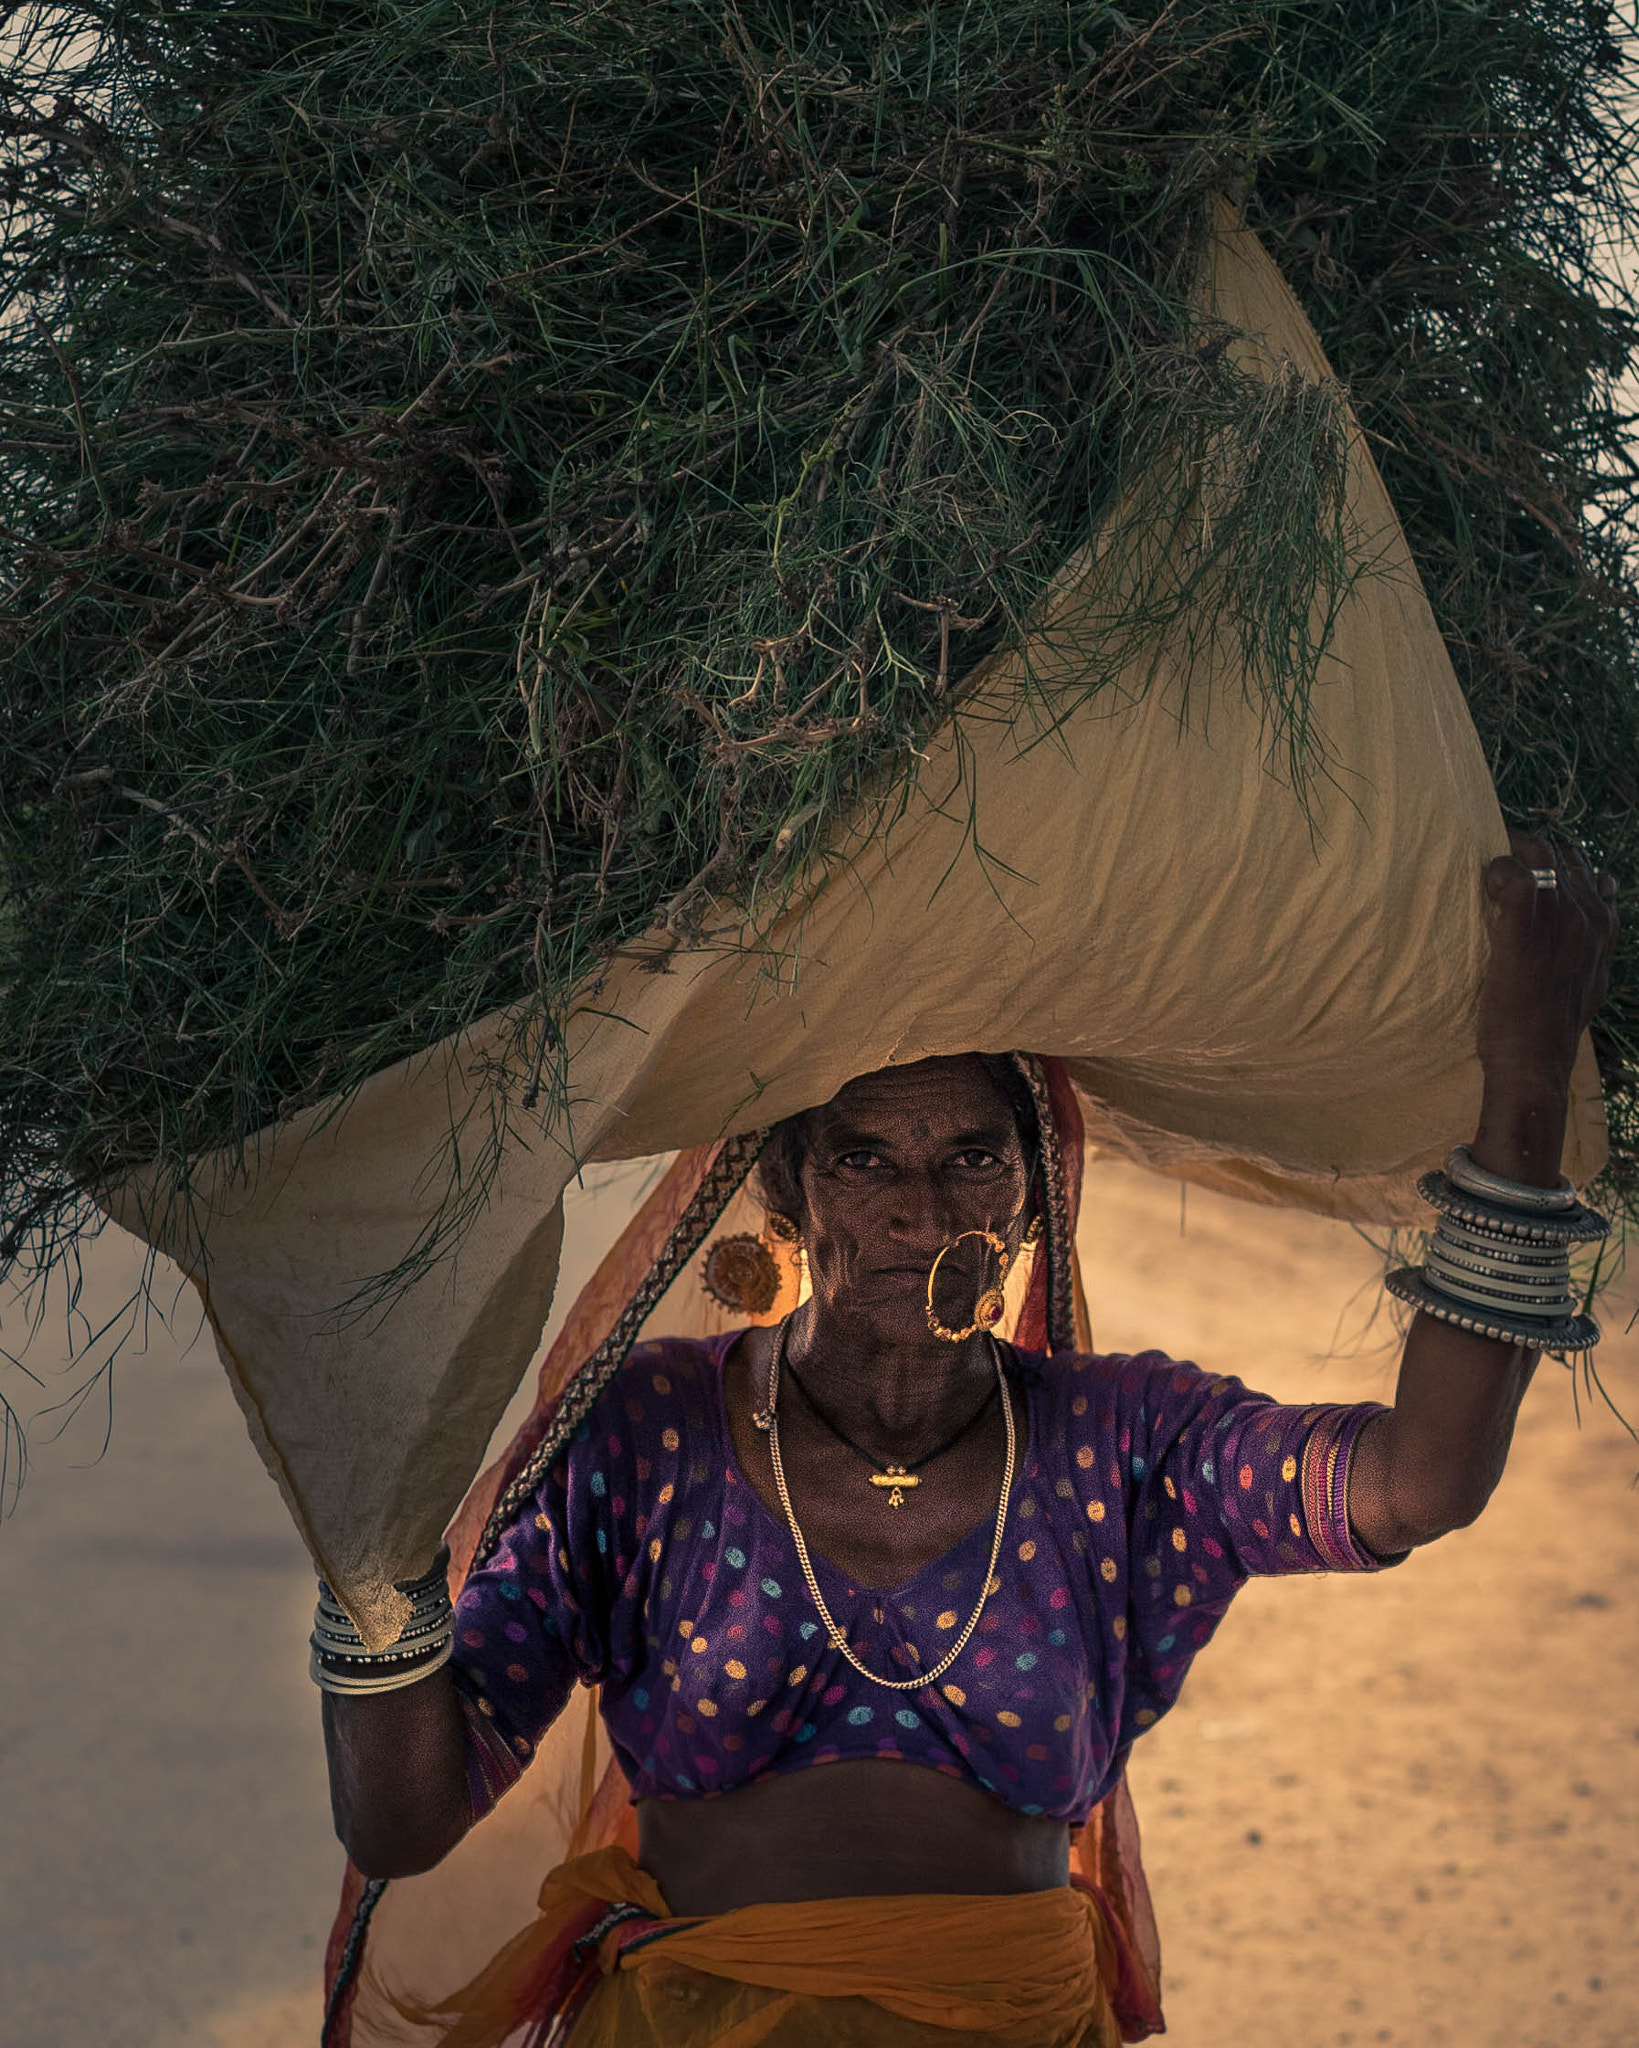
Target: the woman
(963, 1576)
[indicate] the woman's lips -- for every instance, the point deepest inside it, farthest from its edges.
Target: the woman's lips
(919, 1274)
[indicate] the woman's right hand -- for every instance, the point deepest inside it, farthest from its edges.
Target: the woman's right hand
(398, 1775)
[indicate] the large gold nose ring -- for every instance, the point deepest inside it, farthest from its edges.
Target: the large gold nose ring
(990, 1307)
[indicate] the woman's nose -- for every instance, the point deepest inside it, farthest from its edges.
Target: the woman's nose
(924, 1213)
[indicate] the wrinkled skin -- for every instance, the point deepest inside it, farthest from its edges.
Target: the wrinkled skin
(899, 1163)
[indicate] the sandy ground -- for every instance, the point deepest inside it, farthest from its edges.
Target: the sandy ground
(1394, 1810)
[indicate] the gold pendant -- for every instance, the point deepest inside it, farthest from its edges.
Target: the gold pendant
(898, 1478)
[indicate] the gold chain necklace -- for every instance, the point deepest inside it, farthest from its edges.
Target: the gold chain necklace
(767, 1419)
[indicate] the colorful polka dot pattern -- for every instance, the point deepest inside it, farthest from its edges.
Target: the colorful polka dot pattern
(1148, 1492)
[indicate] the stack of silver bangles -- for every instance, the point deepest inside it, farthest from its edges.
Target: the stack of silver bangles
(341, 1663)
(1499, 1263)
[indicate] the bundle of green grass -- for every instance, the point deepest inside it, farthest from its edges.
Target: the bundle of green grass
(479, 480)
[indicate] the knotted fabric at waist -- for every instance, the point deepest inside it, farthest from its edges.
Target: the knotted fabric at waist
(1026, 1970)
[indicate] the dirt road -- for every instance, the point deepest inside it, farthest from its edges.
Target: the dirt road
(1402, 1810)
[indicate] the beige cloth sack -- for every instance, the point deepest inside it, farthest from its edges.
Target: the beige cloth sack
(1269, 999)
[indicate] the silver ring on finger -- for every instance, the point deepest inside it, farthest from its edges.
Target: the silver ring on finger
(1545, 878)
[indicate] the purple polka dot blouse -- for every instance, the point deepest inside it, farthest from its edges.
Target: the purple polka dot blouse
(1147, 1493)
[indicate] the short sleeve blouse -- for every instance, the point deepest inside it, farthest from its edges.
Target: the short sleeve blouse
(1148, 1492)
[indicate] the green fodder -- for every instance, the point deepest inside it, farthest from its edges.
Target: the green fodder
(476, 481)
(1462, 250)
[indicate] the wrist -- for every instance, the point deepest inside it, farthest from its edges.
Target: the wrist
(1521, 1133)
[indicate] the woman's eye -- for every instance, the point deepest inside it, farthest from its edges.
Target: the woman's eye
(859, 1160)
(975, 1158)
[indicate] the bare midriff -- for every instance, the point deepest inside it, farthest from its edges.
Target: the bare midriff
(845, 1830)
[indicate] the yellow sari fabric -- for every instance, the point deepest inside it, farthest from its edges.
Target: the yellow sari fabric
(1025, 1970)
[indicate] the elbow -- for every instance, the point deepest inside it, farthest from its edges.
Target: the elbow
(379, 1864)
(1466, 1506)
(1433, 1507)
(380, 1850)
(383, 1856)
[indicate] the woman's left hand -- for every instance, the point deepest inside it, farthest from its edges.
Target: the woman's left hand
(1431, 1464)
(1550, 964)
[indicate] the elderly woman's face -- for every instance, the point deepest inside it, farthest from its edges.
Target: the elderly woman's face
(899, 1164)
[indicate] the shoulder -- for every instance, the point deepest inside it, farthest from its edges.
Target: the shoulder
(657, 1411)
(1110, 1390)
(1121, 1412)
(663, 1379)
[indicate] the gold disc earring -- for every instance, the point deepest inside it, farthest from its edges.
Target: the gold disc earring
(740, 1273)
(989, 1308)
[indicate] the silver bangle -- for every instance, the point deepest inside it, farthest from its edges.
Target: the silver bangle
(330, 1655)
(1499, 1260)
(352, 1651)
(351, 1644)
(1573, 1333)
(1498, 1276)
(1480, 1293)
(1523, 1254)
(1462, 1172)
(422, 1619)
(331, 1652)
(391, 1678)
(1480, 1290)
(1485, 1276)
(1498, 1281)
(1578, 1225)
(340, 1661)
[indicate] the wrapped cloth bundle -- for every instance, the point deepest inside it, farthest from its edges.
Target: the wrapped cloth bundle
(578, 575)
(1265, 990)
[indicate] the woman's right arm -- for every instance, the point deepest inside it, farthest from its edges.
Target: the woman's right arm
(412, 1769)
(398, 1775)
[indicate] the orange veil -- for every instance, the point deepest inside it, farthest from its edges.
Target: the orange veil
(418, 1937)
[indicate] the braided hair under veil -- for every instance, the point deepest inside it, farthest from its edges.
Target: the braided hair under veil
(574, 1798)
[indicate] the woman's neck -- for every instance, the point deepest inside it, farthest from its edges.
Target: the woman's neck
(879, 1387)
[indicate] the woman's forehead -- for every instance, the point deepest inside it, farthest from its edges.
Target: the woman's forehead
(934, 1097)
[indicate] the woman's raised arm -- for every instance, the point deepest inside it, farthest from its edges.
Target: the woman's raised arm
(1431, 1463)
